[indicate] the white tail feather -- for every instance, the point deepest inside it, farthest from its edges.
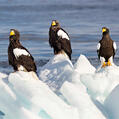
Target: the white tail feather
(62, 52)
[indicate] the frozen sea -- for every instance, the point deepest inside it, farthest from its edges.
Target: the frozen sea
(82, 19)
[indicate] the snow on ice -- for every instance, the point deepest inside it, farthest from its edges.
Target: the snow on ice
(56, 71)
(64, 91)
(25, 97)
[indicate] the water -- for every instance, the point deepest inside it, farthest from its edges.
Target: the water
(82, 19)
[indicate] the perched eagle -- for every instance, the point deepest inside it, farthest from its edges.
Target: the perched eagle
(106, 48)
(18, 56)
(59, 39)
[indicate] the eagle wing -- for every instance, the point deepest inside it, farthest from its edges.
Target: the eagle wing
(98, 49)
(66, 46)
(24, 58)
(51, 37)
(64, 40)
(114, 48)
(27, 62)
(11, 58)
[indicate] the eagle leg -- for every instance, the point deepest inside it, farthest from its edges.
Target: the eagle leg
(109, 63)
(104, 65)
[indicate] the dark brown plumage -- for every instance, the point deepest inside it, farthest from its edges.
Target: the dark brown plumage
(59, 39)
(107, 47)
(18, 56)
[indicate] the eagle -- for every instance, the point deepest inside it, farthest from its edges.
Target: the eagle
(106, 48)
(59, 39)
(19, 57)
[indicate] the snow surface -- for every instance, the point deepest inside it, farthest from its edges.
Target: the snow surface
(111, 104)
(56, 71)
(29, 98)
(102, 82)
(64, 91)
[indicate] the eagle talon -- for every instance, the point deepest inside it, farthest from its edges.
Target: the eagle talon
(104, 65)
(109, 63)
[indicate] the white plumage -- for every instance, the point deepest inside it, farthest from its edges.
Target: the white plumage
(98, 46)
(102, 59)
(114, 45)
(62, 34)
(21, 68)
(18, 52)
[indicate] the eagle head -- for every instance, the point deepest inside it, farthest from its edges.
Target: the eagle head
(105, 30)
(55, 25)
(14, 35)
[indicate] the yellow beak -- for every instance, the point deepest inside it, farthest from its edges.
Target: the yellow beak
(12, 33)
(104, 30)
(53, 23)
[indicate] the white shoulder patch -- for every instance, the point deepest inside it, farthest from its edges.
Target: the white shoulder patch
(18, 52)
(98, 46)
(62, 34)
(114, 45)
